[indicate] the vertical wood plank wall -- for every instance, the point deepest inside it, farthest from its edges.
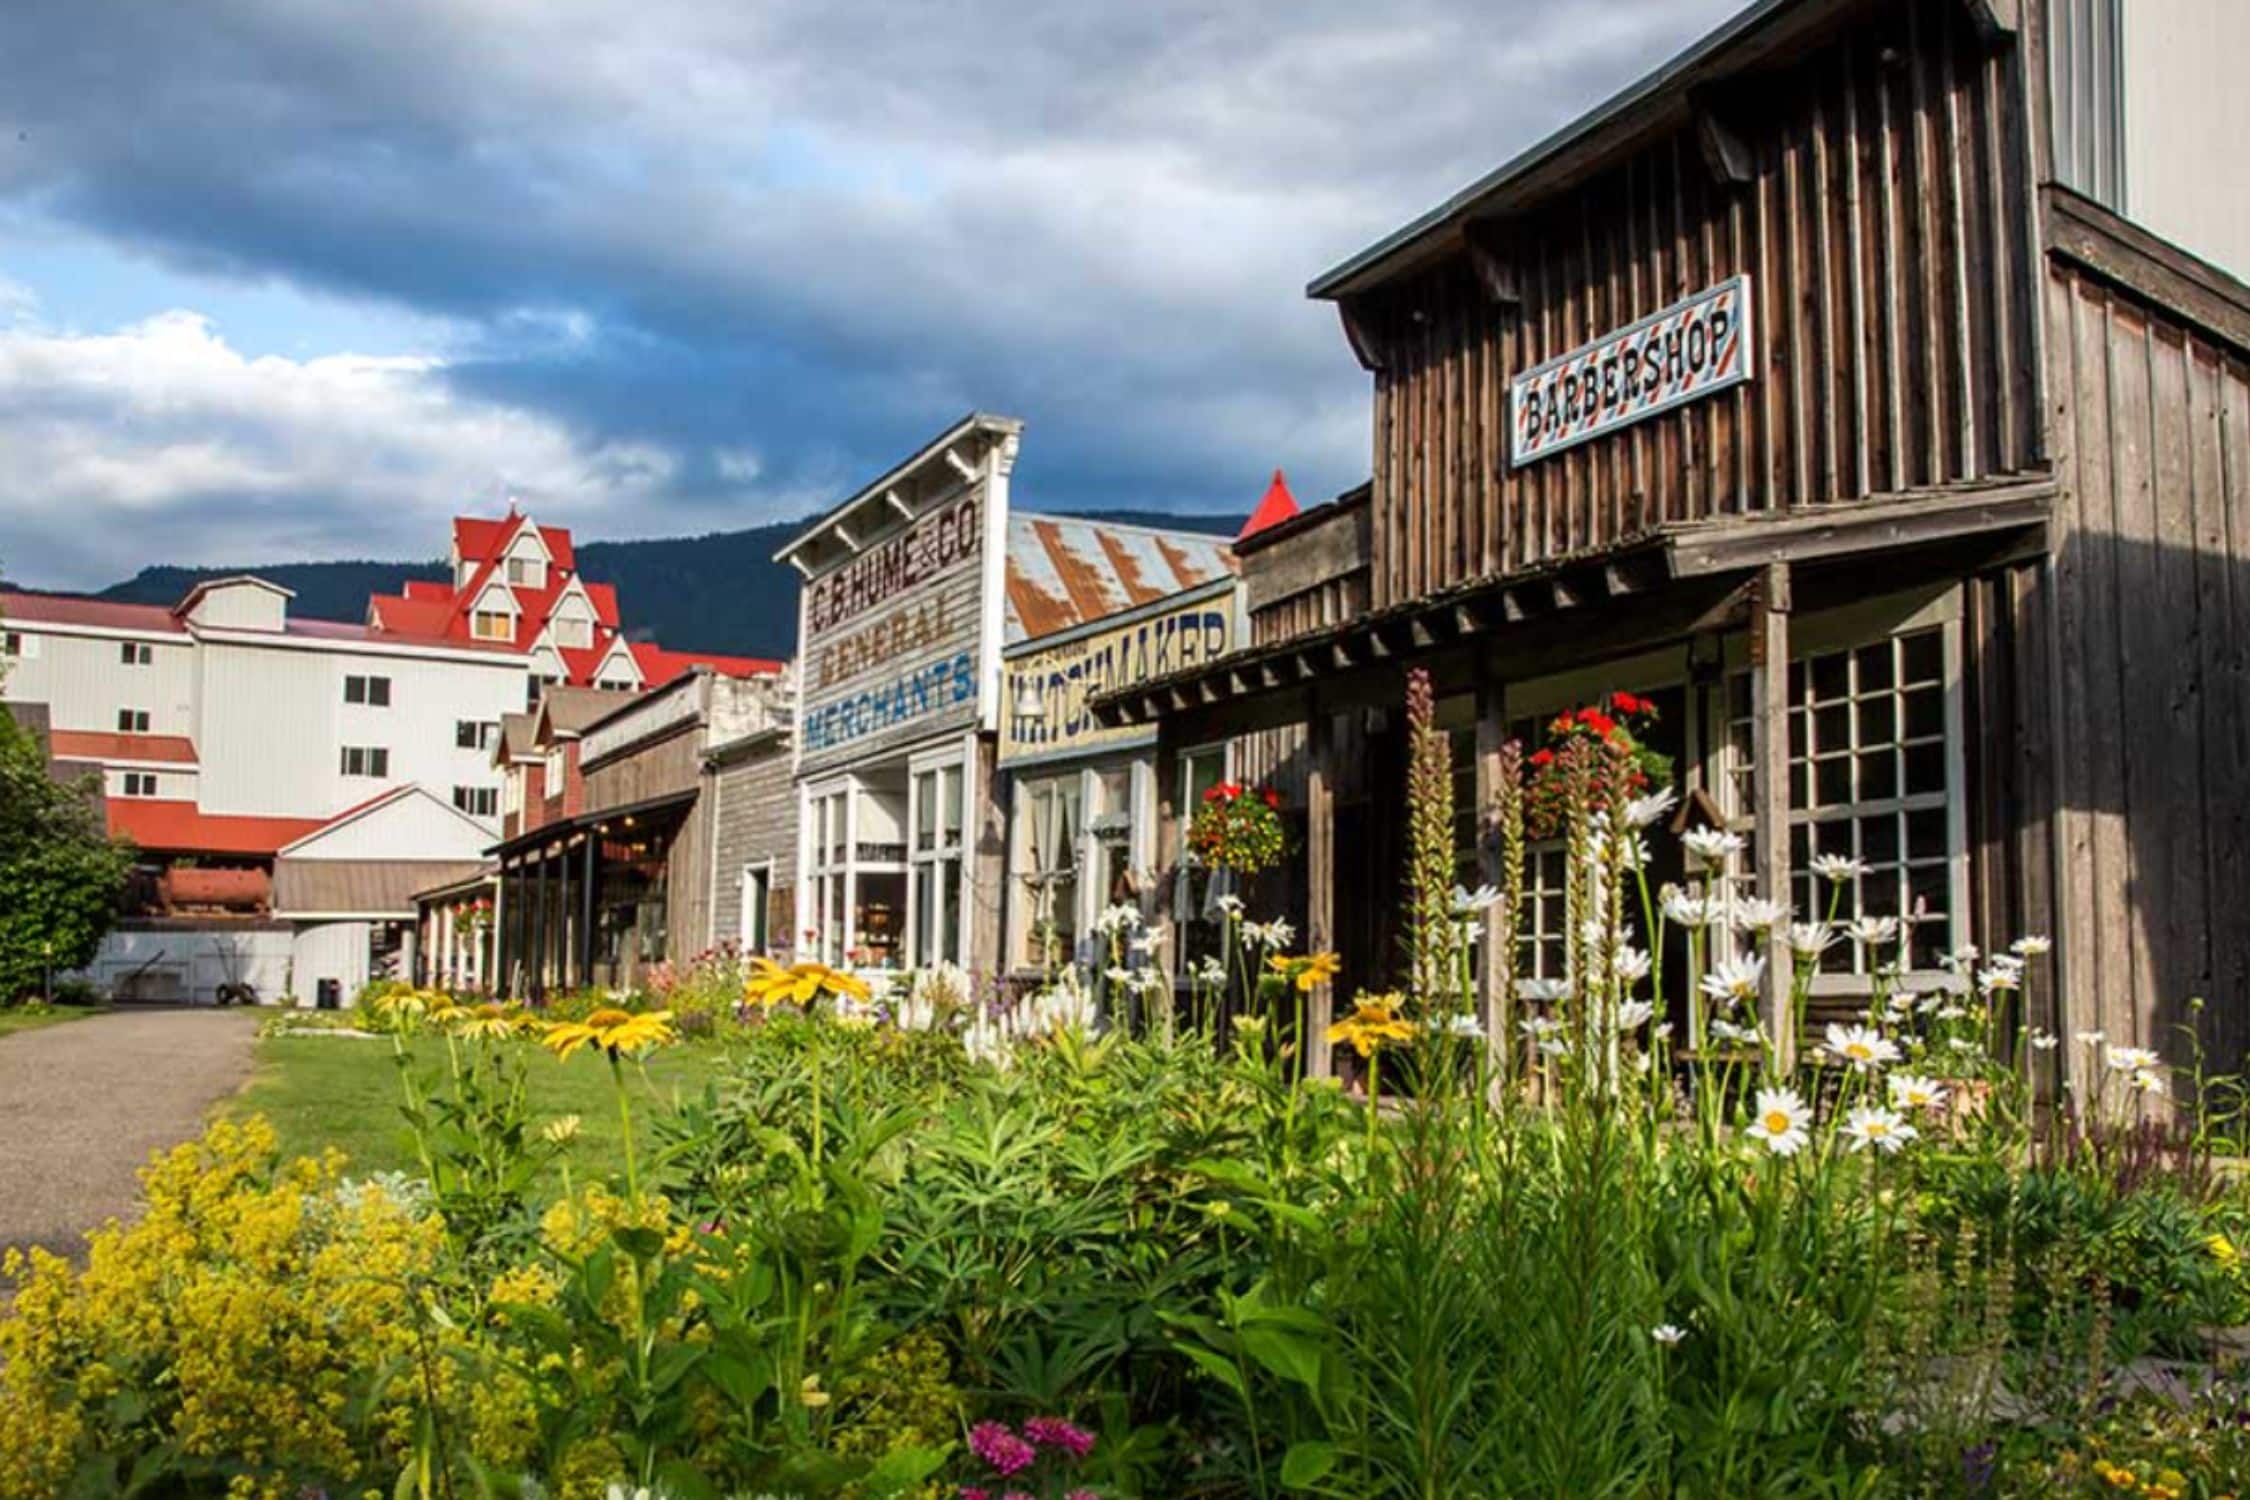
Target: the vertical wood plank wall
(2151, 697)
(1885, 233)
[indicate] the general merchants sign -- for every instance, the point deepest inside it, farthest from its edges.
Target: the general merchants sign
(1689, 350)
(891, 638)
(1061, 677)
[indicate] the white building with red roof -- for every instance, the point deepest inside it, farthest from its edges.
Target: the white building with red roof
(227, 730)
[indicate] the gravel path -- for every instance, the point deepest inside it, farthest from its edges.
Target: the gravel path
(83, 1104)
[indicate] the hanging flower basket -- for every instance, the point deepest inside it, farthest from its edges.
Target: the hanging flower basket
(1237, 828)
(1620, 719)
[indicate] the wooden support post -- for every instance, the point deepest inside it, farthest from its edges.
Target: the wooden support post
(1499, 1004)
(1320, 881)
(589, 883)
(1769, 745)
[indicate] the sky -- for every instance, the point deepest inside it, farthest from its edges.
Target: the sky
(299, 279)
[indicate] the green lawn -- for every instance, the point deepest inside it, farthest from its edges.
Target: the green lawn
(343, 1092)
(14, 1018)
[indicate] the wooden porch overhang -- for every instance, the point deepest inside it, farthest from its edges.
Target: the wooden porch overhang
(529, 847)
(1673, 580)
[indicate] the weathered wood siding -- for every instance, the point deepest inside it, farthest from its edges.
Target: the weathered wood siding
(1887, 229)
(753, 804)
(2150, 694)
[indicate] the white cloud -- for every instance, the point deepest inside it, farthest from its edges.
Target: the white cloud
(161, 443)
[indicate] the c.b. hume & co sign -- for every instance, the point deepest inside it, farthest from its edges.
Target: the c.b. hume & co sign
(1691, 349)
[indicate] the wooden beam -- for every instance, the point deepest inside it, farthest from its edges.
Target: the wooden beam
(898, 504)
(1494, 260)
(961, 466)
(1822, 531)
(1359, 334)
(1498, 999)
(1320, 882)
(1769, 749)
(2126, 255)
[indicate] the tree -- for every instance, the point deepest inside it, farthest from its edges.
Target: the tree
(62, 879)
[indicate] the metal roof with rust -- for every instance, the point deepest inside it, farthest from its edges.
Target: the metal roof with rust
(1064, 571)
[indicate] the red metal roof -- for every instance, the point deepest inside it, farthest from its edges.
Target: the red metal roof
(94, 744)
(659, 666)
(181, 827)
(1064, 571)
(76, 609)
(1277, 506)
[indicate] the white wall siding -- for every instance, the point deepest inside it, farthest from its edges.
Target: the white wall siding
(276, 720)
(173, 783)
(329, 950)
(2186, 116)
(408, 827)
(83, 679)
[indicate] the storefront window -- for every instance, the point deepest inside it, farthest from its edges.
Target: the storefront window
(1200, 932)
(1871, 750)
(828, 875)
(1046, 862)
(936, 864)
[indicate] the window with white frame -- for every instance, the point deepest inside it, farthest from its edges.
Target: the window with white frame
(366, 760)
(1048, 822)
(614, 685)
(574, 631)
(1200, 933)
(140, 783)
(492, 625)
(757, 907)
(1873, 745)
(132, 721)
(935, 861)
(477, 801)
(829, 871)
(475, 734)
(136, 653)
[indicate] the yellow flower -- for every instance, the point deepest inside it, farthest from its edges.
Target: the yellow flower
(614, 1031)
(488, 1022)
(799, 984)
(560, 1129)
(809, 1392)
(1307, 973)
(1375, 1023)
(2224, 1250)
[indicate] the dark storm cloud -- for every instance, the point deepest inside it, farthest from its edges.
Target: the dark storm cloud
(732, 256)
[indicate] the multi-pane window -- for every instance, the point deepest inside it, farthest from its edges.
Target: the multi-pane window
(492, 625)
(140, 783)
(1543, 937)
(475, 734)
(135, 653)
(1870, 778)
(375, 692)
(936, 864)
(477, 801)
(366, 760)
(614, 685)
(132, 721)
(830, 862)
(1200, 933)
(574, 631)
(1047, 862)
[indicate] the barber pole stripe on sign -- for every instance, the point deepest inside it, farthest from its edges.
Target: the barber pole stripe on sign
(1689, 350)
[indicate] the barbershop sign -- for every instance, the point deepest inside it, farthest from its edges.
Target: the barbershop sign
(1054, 681)
(1691, 349)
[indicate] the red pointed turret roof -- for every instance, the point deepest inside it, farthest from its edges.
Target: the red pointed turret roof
(1277, 506)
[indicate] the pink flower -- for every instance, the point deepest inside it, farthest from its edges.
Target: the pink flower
(1054, 1432)
(1000, 1448)
(1082, 1495)
(973, 1492)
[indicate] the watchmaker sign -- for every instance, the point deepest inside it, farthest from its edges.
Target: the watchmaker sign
(1691, 349)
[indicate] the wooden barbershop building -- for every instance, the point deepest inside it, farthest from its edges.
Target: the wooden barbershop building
(1869, 387)
(914, 588)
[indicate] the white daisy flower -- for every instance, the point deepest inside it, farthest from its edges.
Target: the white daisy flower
(1882, 1129)
(1684, 910)
(1836, 868)
(1748, 1036)
(2090, 1038)
(2132, 1059)
(1951, 1012)
(1633, 964)
(1913, 1091)
(1277, 934)
(1542, 989)
(2032, 947)
(1735, 979)
(1555, 1046)
(1964, 1044)
(2149, 1081)
(1660, 1032)
(1231, 905)
(1872, 932)
(1667, 1334)
(1997, 978)
(1634, 1014)
(1467, 903)
(1809, 938)
(1780, 1121)
(1644, 812)
(1539, 1026)
(1711, 846)
(1862, 1046)
(1755, 914)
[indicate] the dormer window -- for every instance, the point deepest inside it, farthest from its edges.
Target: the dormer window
(492, 625)
(574, 633)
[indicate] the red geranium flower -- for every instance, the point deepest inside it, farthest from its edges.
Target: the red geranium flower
(1542, 757)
